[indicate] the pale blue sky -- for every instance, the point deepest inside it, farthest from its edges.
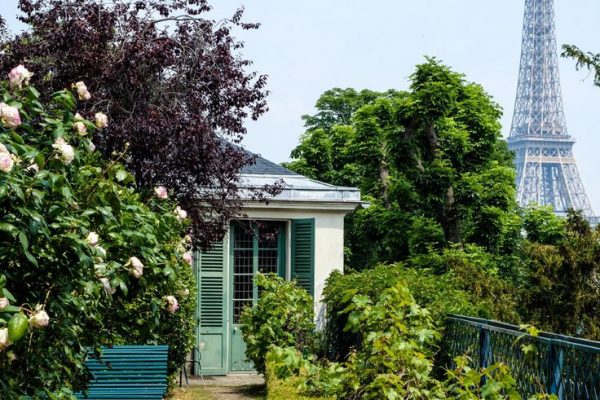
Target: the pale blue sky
(309, 46)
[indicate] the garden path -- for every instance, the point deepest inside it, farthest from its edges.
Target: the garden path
(232, 387)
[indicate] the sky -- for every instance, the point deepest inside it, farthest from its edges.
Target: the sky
(309, 46)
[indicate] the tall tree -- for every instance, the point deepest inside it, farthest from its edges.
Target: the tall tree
(171, 79)
(431, 161)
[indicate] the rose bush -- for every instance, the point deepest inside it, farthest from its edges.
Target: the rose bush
(86, 260)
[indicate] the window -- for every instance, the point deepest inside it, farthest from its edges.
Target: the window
(257, 247)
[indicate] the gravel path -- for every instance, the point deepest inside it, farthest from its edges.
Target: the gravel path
(253, 392)
(232, 387)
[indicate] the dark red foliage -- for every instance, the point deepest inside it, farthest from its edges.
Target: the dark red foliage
(171, 81)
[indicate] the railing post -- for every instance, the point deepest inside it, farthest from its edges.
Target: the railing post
(556, 363)
(484, 347)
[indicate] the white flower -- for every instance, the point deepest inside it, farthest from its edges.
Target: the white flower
(33, 167)
(161, 192)
(82, 91)
(4, 342)
(183, 293)
(92, 238)
(172, 304)
(10, 116)
(187, 257)
(4, 303)
(91, 147)
(6, 162)
(19, 75)
(80, 128)
(101, 120)
(181, 214)
(106, 285)
(137, 268)
(39, 319)
(78, 117)
(67, 154)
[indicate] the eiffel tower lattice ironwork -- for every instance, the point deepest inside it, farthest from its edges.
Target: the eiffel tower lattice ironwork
(546, 169)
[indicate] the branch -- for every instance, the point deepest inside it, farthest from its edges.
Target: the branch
(587, 60)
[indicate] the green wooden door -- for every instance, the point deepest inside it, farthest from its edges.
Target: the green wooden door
(211, 349)
(255, 246)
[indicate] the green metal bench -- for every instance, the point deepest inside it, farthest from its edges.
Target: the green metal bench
(127, 372)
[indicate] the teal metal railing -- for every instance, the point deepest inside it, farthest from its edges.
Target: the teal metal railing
(562, 365)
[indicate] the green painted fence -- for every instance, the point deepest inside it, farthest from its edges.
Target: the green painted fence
(562, 365)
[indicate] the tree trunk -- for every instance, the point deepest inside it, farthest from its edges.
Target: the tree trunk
(384, 176)
(450, 224)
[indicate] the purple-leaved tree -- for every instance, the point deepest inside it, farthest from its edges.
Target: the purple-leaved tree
(172, 81)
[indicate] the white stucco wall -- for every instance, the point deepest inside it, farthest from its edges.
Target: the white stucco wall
(329, 242)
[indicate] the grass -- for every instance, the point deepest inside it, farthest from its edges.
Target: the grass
(251, 392)
(192, 393)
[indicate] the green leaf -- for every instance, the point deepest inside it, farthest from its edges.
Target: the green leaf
(6, 227)
(8, 295)
(11, 309)
(123, 287)
(31, 258)
(24, 241)
(17, 327)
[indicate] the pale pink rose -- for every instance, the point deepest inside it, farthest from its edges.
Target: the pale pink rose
(187, 257)
(19, 75)
(4, 342)
(101, 120)
(106, 285)
(66, 151)
(3, 148)
(172, 304)
(92, 238)
(6, 162)
(39, 319)
(137, 268)
(78, 117)
(181, 214)
(9, 115)
(4, 303)
(161, 192)
(82, 91)
(80, 128)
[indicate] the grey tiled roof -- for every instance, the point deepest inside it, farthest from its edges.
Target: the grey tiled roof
(295, 187)
(262, 166)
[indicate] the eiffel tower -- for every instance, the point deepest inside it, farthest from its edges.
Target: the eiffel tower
(546, 169)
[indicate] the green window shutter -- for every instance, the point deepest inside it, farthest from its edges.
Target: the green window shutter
(210, 273)
(303, 253)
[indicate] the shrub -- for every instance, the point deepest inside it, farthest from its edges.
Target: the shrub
(395, 356)
(394, 361)
(84, 257)
(287, 386)
(466, 288)
(282, 316)
(563, 290)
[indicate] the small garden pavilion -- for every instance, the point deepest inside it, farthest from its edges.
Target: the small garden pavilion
(297, 234)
